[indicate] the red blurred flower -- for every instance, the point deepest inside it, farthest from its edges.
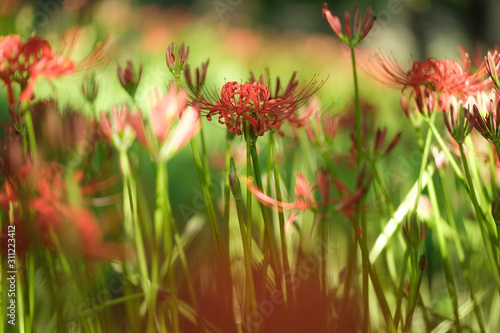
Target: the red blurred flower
(119, 121)
(445, 77)
(304, 195)
(25, 62)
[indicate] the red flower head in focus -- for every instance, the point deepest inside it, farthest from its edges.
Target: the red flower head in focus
(253, 103)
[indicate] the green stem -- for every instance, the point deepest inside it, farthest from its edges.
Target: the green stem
(492, 171)
(182, 256)
(423, 165)
(249, 195)
(479, 217)
(227, 190)
(379, 292)
(357, 108)
(447, 152)
(31, 133)
(448, 272)
(212, 218)
(281, 217)
(413, 303)
(236, 189)
(328, 162)
(460, 253)
(399, 299)
(266, 216)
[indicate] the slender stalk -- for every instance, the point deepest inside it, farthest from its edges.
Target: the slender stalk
(399, 299)
(379, 292)
(448, 272)
(267, 221)
(423, 165)
(413, 303)
(460, 253)
(356, 107)
(227, 190)
(249, 195)
(163, 232)
(182, 256)
(492, 171)
(31, 132)
(447, 152)
(281, 218)
(236, 189)
(479, 217)
(214, 225)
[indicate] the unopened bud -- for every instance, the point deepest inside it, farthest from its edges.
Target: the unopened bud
(422, 264)
(128, 79)
(90, 89)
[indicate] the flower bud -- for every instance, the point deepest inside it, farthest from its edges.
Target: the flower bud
(90, 89)
(422, 264)
(128, 79)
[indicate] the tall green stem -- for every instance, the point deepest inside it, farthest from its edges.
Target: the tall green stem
(265, 215)
(448, 272)
(479, 216)
(356, 107)
(281, 217)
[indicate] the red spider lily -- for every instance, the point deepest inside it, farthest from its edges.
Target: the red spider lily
(361, 29)
(115, 126)
(486, 110)
(444, 77)
(25, 62)
(43, 190)
(177, 58)
(281, 92)
(252, 102)
(304, 197)
(165, 109)
(459, 120)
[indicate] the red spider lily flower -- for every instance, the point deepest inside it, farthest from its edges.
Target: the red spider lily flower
(444, 77)
(177, 58)
(128, 79)
(165, 109)
(25, 62)
(492, 60)
(189, 124)
(281, 92)
(459, 120)
(115, 128)
(486, 109)
(361, 29)
(252, 102)
(163, 113)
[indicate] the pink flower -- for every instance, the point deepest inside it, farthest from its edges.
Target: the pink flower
(165, 109)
